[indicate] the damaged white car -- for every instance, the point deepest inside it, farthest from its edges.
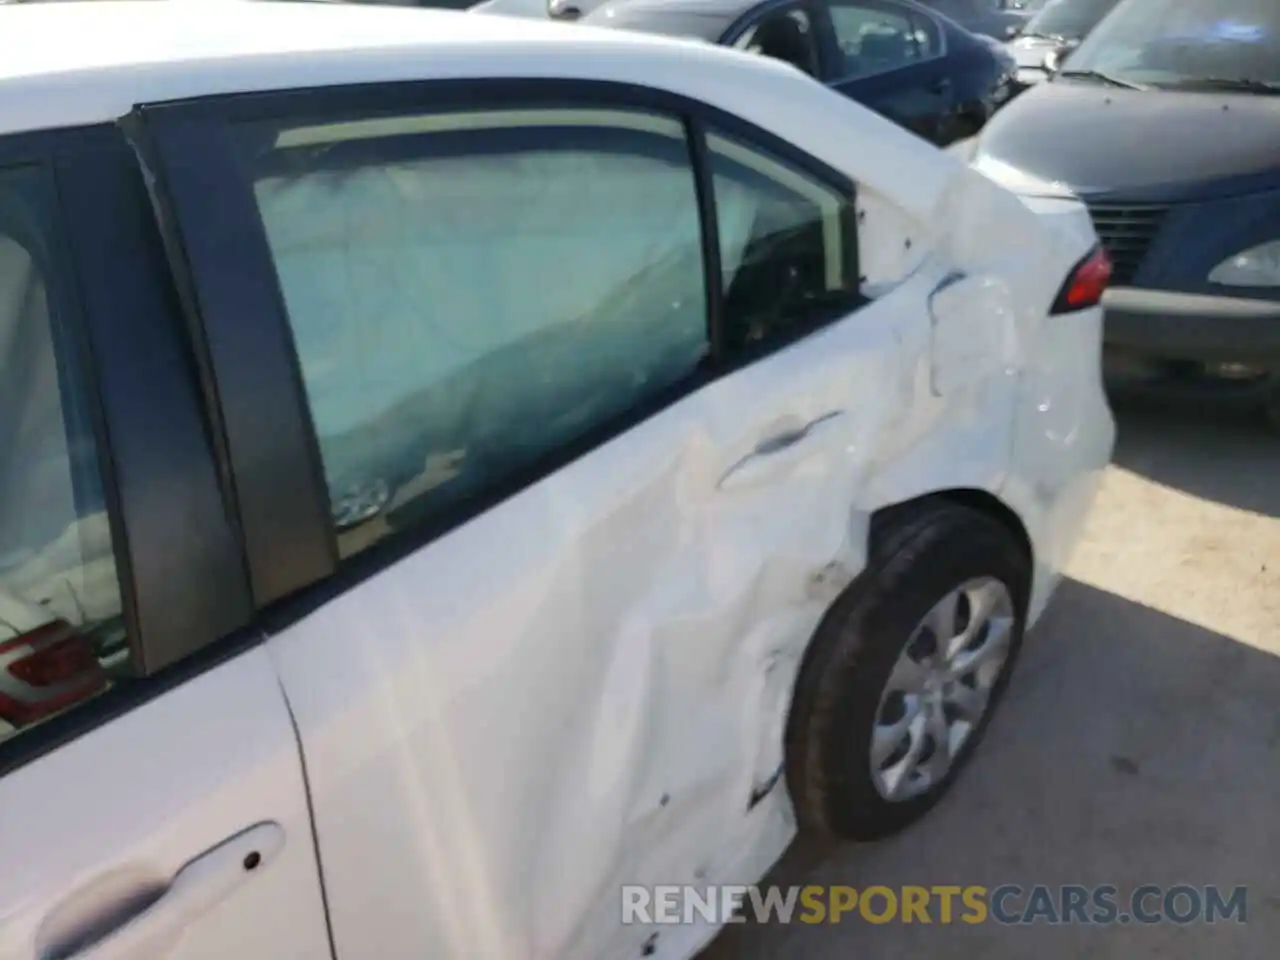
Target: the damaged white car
(454, 467)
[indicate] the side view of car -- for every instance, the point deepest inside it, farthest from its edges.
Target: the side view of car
(493, 462)
(895, 56)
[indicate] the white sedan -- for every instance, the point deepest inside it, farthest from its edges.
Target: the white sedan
(453, 467)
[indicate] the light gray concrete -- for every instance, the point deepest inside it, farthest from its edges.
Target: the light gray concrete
(1140, 742)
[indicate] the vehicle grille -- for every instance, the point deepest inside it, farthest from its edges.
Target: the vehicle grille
(1126, 233)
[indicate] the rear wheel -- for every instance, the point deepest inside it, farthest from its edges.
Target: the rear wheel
(905, 671)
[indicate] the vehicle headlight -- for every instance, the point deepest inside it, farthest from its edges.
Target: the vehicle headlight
(1256, 267)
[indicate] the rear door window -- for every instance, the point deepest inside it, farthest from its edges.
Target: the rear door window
(785, 34)
(875, 37)
(471, 293)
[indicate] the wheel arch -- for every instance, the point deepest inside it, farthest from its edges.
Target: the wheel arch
(892, 526)
(886, 517)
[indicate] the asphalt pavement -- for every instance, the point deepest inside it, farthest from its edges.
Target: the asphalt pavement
(1140, 741)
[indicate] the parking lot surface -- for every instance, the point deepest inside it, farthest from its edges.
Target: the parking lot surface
(1140, 741)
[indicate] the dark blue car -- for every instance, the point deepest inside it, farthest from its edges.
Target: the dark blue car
(898, 57)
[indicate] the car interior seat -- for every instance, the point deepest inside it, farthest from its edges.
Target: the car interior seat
(783, 38)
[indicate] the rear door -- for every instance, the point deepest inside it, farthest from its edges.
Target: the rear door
(152, 795)
(588, 384)
(890, 57)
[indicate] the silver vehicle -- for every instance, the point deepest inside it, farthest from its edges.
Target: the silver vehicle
(1052, 32)
(1001, 19)
(535, 9)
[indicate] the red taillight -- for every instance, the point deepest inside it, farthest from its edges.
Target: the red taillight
(1086, 283)
(46, 670)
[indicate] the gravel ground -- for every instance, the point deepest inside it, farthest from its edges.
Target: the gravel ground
(1140, 742)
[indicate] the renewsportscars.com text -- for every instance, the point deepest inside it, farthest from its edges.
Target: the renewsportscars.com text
(941, 904)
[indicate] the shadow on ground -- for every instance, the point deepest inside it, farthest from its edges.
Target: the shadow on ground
(1185, 442)
(1133, 748)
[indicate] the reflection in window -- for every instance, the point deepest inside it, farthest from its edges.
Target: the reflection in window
(1179, 42)
(471, 292)
(61, 634)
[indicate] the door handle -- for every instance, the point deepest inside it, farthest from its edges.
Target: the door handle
(196, 889)
(941, 85)
(768, 455)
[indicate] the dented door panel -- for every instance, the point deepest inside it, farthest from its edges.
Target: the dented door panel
(585, 686)
(1044, 413)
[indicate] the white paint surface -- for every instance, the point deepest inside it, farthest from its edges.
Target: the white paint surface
(582, 687)
(117, 814)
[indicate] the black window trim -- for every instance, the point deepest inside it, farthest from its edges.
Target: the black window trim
(216, 241)
(184, 597)
(294, 564)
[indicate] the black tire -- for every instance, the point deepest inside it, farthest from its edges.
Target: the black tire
(917, 557)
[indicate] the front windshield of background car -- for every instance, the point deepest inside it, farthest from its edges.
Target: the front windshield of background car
(1069, 19)
(1185, 43)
